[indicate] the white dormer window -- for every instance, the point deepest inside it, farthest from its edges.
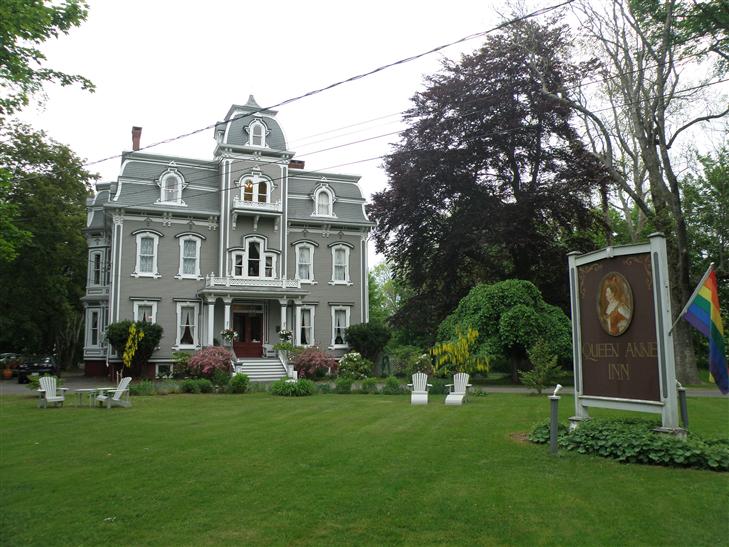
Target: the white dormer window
(171, 184)
(324, 201)
(257, 132)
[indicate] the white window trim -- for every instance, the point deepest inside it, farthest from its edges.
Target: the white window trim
(273, 265)
(312, 279)
(138, 303)
(242, 254)
(347, 280)
(257, 180)
(265, 131)
(178, 324)
(99, 327)
(155, 270)
(348, 311)
(332, 198)
(198, 246)
(312, 342)
(162, 183)
(156, 369)
(92, 269)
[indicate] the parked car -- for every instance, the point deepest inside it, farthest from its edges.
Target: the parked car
(36, 365)
(8, 364)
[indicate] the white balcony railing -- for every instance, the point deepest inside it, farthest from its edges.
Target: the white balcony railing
(212, 282)
(256, 206)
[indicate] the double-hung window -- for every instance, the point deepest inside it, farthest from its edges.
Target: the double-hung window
(305, 326)
(94, 328)
(340, 323)
(97, 274)
(190, 244)
(305, 261)
(187, 328)
(145, 310)
(147, 245)
(324, 201)
(340, 264)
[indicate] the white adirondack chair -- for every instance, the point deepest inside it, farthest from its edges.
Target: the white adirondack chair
(114, 398)
(49, 393)
(458, 388)
(419, 389)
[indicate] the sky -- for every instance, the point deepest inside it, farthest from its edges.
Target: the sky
(173, 67)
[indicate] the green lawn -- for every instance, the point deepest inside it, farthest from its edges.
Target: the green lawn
(335, 469)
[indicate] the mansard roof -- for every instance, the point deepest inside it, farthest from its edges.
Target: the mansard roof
(238, 119)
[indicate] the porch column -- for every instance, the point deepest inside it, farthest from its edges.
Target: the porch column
(211, 320)
(228, 301)
(284, 306)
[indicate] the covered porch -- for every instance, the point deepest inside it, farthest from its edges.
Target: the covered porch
(255, 313)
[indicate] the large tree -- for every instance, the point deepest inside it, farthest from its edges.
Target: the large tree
(24, 25)
(490, 180)
(40, 289)
(645, 106)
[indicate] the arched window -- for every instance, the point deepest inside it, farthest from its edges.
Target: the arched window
(324, 201)
(340, 263)
(171, 185)
(257, 132)
(255, 188)
(189, 264)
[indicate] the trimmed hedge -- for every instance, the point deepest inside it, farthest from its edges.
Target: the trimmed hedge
(634, 441)
(300, 388)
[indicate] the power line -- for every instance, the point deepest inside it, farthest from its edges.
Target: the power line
(247, 168)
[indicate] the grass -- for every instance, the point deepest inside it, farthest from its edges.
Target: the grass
(328, 469)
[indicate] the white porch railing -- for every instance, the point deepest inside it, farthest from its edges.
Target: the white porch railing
(256, 206)
(228, 281)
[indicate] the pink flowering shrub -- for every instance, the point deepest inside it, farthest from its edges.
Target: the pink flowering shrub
(311, 362)
(206, 361)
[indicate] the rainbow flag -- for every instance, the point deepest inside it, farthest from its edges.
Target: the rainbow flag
(703, 312)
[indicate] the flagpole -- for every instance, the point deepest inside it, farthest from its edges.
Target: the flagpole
(696, 291)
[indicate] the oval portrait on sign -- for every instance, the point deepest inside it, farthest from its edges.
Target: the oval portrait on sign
(614, 303)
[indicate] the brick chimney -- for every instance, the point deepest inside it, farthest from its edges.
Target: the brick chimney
(136, 136)
(296, 164)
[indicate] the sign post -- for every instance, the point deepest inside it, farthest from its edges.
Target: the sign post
(621, 331)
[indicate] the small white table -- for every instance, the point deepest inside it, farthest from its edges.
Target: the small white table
(91, 394)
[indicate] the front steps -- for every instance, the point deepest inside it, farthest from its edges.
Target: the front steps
(260, 370)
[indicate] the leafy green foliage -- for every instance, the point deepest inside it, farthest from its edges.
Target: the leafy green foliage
(45, 186)
(181, 364)
(368, 386)
(299, 388)
(510, 317)
(24, 25)
(197, 385)
(343, 385)
(143, 387)
(369, 339)
(354, 365)
(540, 433)
(406, 360)
(118, 336)
(239, 383)
(457, 355)
(34, 381)
(491, 180)
(392, 386)
(634, 441)
(546, 370)
(220, 377)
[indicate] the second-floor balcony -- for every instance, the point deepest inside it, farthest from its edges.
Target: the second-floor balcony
(256, 207)
(251, 282)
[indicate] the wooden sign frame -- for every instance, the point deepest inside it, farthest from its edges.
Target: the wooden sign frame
(665, 400)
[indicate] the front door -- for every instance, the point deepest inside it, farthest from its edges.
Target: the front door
(249, 327)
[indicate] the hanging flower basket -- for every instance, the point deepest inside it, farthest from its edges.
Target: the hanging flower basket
(228, 336)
